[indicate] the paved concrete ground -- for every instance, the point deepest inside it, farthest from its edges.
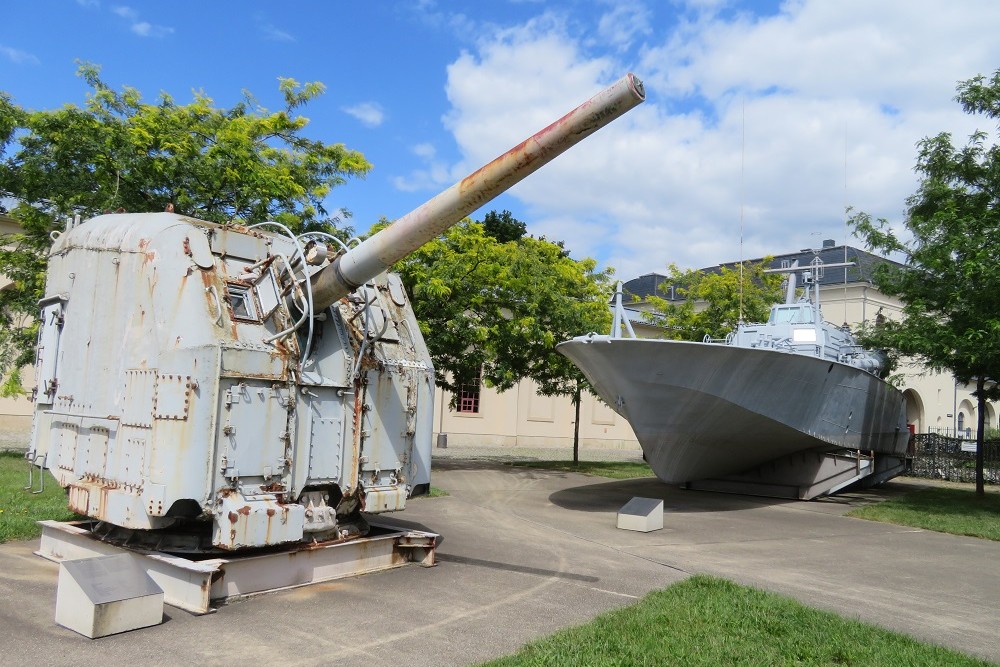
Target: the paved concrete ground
(526, 552)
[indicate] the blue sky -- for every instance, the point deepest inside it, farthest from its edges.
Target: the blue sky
(769, 117)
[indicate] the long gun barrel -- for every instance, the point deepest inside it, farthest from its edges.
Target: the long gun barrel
(377, 253)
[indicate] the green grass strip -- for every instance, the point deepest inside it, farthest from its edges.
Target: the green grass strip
(612, 469)
(958, 511)
(20, 509)
(709, 621)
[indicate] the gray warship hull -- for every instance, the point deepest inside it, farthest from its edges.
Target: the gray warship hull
(706, 411)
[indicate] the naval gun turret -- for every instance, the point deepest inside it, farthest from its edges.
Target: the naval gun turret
(205, 386)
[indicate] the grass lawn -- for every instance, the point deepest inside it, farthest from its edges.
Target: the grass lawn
(958, 511)
(433, 493)
(612, 469)
(709, 621)
(19, 509)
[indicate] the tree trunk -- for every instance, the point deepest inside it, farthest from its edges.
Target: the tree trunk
(576, 425)
(980, 433)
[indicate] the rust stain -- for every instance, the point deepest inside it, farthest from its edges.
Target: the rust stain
(274, 487)
(233, 517)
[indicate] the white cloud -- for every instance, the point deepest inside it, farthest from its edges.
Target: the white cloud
(140, 28)
(434, 175)
(369, 113)
(17, 56)
(272, 32)
(425, 150)
(782, 120)
(146, 29)
(276, 34)
(125, 12)
(624, 23)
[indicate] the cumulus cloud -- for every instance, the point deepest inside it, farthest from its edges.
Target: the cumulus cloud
(369, 113)
(780, 122)
(625, 22)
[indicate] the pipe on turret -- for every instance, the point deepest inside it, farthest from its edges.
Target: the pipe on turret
(377, 253)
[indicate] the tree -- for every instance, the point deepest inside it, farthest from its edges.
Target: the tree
(713, 304)
(493, 311)
(503, 226)
(242, 165)
(950, 284)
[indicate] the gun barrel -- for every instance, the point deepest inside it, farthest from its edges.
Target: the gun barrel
(405, 235)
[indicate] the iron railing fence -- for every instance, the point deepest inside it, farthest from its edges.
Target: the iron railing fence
(937, 456)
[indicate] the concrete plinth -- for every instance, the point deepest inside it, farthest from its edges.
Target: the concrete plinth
(106, 595)
(641, 514)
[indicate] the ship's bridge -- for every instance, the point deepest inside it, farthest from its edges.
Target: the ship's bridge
(799, 313)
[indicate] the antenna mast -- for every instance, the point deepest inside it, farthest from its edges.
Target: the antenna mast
(743, 150)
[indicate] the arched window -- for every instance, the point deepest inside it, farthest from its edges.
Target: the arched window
(961, 421)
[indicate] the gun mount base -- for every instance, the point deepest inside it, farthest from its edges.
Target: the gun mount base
(199, 586)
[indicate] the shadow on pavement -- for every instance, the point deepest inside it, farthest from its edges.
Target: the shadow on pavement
(507, 567)
(611, 496)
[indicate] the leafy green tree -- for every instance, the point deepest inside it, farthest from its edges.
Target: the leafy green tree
(117, 153)
(713, 304)
(950, 284)
(503, 226)
(494, 310)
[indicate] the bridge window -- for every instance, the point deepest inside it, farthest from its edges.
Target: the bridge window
(791, 315)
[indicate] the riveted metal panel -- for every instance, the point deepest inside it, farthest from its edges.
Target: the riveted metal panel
(172, 398)
(131, 456)
(137, 408)
(96, 450)
(252, 360)
(239, 242)
(67, 435)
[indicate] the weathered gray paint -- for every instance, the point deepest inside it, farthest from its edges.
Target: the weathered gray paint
(225, 375)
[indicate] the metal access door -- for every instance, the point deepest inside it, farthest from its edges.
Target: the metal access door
(47, 354)
(253, 429)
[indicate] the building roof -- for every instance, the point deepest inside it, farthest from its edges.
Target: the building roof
(865, 265)
(8, 225)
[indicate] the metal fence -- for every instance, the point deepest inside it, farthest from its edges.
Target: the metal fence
(937, 456)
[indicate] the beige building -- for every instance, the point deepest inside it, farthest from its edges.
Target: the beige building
(15, 413)
(522, 417)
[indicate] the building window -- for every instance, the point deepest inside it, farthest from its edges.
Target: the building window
(468, 397)
(961, 421)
